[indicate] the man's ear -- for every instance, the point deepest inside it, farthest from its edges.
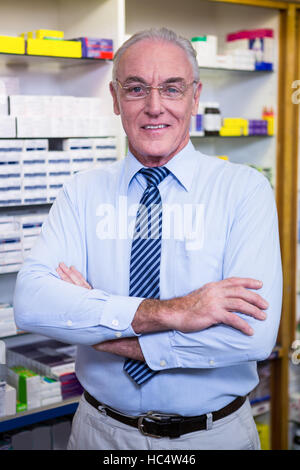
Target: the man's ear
(115, 99)
(196, 98)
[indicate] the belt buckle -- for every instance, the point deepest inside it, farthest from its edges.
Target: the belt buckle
(141, 425)
(159, 418)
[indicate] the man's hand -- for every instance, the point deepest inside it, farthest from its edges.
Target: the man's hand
(212, 304)
(71, 275)
(126, 347)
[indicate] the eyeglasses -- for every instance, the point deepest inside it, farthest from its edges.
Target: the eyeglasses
(170, 91)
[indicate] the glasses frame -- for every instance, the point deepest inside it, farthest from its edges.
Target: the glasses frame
(159, 88)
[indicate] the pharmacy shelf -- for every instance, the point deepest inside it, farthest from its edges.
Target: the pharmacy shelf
(26, 59)
(257, 136)
(226, 69)
(59, 138)
(19, 333)
(22, 207)
(18, 59)
(38, 415)
(69, 407)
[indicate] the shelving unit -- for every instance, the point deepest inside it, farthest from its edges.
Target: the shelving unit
(66, 407)
(31, 59)
(27, 418)
(254, 89)
(199, 136)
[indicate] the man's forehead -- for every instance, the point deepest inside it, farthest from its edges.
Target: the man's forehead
(148, 57)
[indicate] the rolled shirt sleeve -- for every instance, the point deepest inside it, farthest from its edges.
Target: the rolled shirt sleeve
(252, 250)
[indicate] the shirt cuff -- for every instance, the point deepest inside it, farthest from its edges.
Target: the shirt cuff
(118, 314)
(157, 350)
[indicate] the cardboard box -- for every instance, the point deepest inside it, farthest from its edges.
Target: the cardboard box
(12, 45)
(55, 48)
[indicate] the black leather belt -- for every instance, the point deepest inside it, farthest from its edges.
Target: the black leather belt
(156, 424)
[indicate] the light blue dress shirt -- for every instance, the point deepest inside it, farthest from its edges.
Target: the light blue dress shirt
(219, 221)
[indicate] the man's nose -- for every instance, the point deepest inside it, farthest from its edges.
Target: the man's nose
(153, 103)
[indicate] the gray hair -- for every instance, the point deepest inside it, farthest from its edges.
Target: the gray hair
(162, 34)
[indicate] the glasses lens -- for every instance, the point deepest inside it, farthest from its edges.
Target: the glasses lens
(135, 91)
(172, 92)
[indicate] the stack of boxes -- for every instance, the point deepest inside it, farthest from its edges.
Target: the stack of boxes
(11, 256)
(48, 42)
(42, 373)
(30, 173)
(34, 171)
(237, 60)
(7, 320)
(257, 127)
(104, 150)
(35, 116)
(8, 396)
(59, 116)
(17, 236)
(10, 400)
(244, 127)
(30, 389)
(206, 48)
(80, 152)
(259, 42)
(244, 50)
(12, 45)
(96, 48)
(31, 226)
(27, 384)
(59, 171)
(50, 391)
(234, 127)
(10, 172)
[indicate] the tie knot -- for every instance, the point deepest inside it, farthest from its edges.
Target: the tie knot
(154, 176)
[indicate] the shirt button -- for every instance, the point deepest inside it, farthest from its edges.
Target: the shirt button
(115, 322)
(163, 363)
(69, 323)
(211, 363)
(118, 334)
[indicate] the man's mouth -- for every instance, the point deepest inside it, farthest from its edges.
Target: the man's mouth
(155, 126)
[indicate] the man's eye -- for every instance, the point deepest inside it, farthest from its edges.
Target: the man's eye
(172, 90)
(135, 90)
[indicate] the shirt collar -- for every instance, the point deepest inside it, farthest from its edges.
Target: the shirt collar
(182, 166)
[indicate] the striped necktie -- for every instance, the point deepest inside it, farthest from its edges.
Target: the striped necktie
(145, 256)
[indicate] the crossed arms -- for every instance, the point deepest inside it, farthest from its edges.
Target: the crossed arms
(227, 320)
(210, 305)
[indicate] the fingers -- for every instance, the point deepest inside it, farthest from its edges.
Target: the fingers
(232, 296)
(233, 320)
(241, 306)
(247, 282)
(247, 295)
(63, 275)
(72, 276)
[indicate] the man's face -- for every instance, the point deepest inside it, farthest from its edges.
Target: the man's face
(153, 63)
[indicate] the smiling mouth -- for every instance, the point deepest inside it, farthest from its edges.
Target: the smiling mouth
(155, 126)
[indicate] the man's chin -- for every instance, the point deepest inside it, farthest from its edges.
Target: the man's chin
(153, 151)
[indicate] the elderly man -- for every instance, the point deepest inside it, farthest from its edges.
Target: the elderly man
(164, 268)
